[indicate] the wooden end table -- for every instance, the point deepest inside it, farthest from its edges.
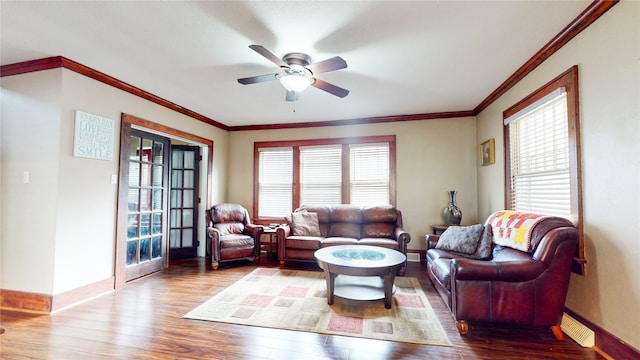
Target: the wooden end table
(366, 272)
(273, 240)
(439, 228)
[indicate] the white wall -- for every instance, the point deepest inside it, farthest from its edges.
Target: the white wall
(58, 231)
(432, 157)
(608, 56)
(30, 139)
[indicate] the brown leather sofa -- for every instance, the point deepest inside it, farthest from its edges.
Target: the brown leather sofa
(513, 286)
(231, 235)
(344, 225)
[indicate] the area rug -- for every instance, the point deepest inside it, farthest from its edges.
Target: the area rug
(296, 300)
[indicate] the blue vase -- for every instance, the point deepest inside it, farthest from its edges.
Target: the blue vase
(452, 213)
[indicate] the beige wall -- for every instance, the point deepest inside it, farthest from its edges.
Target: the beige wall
(58, 231)
(607, 54)
(433, 156)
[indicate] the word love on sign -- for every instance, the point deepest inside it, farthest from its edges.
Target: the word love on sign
(93, 136)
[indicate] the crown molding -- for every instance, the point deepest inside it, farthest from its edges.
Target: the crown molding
(586, 18)
(596, 9)
(62, 62)
(357, 121)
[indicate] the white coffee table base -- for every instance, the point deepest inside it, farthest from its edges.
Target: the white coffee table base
(360, 287)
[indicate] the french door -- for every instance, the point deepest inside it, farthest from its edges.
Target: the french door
(148, 173)
(184, 202)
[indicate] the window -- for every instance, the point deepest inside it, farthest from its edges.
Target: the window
(274, 181)
(369, 173)
(332, 171)
(542, 154)
(321, 175)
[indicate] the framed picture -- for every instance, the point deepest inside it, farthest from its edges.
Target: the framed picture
(488, 152)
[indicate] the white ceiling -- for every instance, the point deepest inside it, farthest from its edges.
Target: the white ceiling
(404, 58)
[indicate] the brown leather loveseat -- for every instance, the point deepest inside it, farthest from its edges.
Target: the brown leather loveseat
(523, 281)
(340, 225)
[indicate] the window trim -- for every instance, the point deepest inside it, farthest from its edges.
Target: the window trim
(568, 80)
(345, 142)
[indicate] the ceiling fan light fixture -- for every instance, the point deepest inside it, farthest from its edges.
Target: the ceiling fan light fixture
(295, 82)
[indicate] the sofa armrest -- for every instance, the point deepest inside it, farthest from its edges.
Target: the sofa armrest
(402, 236)
(283, 231)
(213, 233)
(431, 241)
(254, 230)
(481, 270)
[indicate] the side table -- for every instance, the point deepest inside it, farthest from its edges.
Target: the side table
(439, 229)
(271, 242)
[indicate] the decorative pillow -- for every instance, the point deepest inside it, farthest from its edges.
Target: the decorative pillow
(461, 239)
(483, 252)
(305, 224)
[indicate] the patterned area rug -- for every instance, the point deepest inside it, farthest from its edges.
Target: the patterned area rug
(296, 300)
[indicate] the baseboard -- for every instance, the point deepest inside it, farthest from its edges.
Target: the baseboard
(607, 344)
(416, 255)
(43, 303)
(25, 301)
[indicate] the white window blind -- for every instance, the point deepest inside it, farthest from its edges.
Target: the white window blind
(369, 173)
(275, 181)
(321, 175)
(539, 152)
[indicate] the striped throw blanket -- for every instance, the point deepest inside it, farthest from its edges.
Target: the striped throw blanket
(513, 229)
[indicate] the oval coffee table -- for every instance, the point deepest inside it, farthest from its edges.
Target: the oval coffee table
(362, 267)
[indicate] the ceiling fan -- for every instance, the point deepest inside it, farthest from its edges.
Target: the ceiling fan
(297, 73)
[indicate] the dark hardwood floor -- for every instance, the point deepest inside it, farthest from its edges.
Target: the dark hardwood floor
(143, 321)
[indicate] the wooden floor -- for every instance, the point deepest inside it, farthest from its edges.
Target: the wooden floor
(143, 321)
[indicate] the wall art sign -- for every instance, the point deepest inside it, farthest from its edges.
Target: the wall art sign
(93, 136)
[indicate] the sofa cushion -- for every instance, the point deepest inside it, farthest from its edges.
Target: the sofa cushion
(344, 229)
(461, 239)
(303, 242)
(227, 212)
(382, 242)
(379, 214)
(236, 241)
(346, 213)
(229, 228)
(379, 230)
(331, 241)
(305, 223)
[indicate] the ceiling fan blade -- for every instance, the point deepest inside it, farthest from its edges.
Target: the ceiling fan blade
(330, 88)
(269, 55)
(257, 79)
(335, 63)
(291, 96)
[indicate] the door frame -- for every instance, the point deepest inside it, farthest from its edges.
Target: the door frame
(126, 123)
(182, 252)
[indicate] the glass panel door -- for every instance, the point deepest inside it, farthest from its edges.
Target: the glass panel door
(183, 223)
(146, 204)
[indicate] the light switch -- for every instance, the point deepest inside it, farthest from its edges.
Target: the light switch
(114, 179)
(25, 177)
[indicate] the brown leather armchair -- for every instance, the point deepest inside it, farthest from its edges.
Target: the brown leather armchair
(231, 236)
(513, 286)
